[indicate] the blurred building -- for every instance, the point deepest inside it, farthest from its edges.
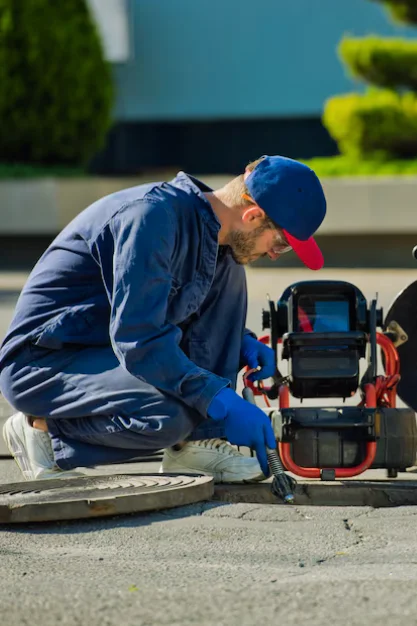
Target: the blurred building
(207, 85)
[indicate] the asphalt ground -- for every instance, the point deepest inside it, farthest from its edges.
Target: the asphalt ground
(216, 562)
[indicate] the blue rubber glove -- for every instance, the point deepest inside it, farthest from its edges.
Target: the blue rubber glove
(254, 353)
(245, 424)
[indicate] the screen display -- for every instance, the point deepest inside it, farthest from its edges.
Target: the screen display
(322, 316)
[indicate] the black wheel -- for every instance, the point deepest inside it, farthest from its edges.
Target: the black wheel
(392, 473)
(404, 311)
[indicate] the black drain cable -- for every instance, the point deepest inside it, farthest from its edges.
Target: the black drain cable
(283, 486)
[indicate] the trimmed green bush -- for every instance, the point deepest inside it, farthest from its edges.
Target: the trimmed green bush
(387, 62)
(378, 124)
(403, 11)
(55, 87)
(327, 167)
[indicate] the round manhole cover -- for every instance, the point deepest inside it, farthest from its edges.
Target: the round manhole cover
(97, 496)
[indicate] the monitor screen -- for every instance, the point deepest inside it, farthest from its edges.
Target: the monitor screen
(322, 316)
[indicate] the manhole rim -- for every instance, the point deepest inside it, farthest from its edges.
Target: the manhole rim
(110, 504)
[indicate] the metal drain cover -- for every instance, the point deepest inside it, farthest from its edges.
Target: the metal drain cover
(99, 496)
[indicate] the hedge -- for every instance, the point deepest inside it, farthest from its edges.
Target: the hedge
(56, 88)
(379, 124)
(337, 166)
(387, 62)
(403, 11)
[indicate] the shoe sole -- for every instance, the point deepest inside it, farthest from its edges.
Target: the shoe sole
(222, 477)
(16, 447)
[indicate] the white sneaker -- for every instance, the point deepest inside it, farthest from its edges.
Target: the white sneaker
(213, 457)
(32, 450)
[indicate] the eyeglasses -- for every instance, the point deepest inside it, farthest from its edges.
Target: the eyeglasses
(281, 245)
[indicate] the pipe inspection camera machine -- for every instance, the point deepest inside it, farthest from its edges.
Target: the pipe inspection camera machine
(335, 344)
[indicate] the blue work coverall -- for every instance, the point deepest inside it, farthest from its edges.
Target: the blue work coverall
(128, 325)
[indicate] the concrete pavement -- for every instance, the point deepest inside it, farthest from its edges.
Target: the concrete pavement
(235, 564)
(213, 563)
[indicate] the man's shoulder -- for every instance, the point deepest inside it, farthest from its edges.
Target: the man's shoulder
(173, 201)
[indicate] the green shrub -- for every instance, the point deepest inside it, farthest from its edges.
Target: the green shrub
(387, 62)
(403, 11)
(345, 166)
(55, 87)
(380, 124)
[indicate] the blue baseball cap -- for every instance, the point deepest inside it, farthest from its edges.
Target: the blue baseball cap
(292, 196)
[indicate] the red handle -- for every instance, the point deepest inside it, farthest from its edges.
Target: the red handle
(340, 472)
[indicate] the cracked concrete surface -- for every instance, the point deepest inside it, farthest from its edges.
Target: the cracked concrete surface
(217, 563)
(213, 563)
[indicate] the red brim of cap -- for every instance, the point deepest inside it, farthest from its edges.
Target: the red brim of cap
(308, 251)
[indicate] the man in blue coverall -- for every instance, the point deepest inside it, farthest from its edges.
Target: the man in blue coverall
(130, 331)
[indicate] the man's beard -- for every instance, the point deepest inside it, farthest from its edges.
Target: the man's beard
(243, 245)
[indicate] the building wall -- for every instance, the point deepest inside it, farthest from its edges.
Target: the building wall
(236, 72)
(216, 59)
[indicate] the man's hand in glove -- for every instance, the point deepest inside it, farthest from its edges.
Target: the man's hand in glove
(256, 354)
(245, 424)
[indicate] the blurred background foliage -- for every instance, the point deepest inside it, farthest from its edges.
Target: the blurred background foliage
(56, 91)
(376, 131)
(59, 79)
(403, 11)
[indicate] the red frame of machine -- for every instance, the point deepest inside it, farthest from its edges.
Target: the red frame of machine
(381, 394)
